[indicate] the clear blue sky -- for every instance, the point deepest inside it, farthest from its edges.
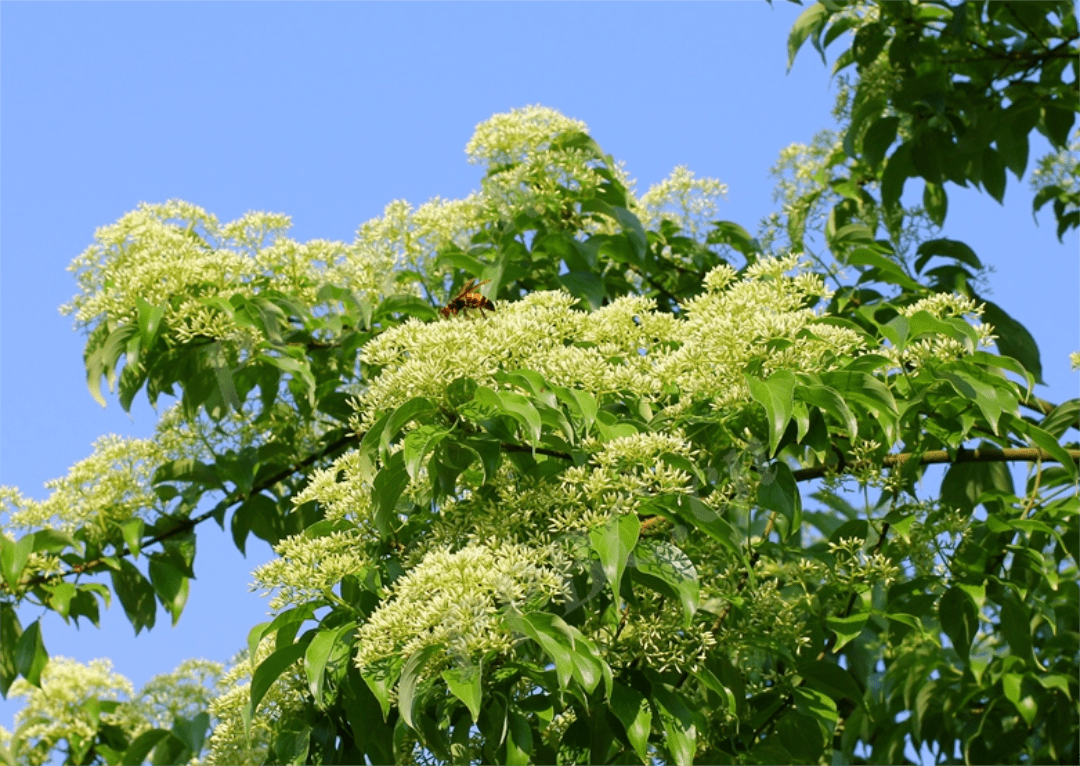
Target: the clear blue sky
(327, 112)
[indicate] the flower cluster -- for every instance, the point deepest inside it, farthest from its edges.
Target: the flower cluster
(687, 201)
(625, 346)
(56, 711)
(232, 741)
(110, 487)
(622, 474)
(455, 600)
(308, 566)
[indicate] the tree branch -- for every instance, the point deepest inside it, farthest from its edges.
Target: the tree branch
(980, 455)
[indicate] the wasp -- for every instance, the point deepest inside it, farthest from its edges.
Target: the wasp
(467, 298)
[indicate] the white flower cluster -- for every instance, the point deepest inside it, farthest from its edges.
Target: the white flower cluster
(687, 201)
(55, 712)
(625, 346)
(622, 474)
(455, 600)
(307, 566)
(406, 239)
(176, 254)
(517, 135)
(938, 348)
(230, 742)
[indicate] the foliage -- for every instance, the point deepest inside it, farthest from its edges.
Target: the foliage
(82, 708)
(573, 529)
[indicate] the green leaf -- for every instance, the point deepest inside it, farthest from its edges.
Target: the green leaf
(778, 491)
(632, 709)
(381, 683)
(464, 683)
(30, 654)
(878, 138)
(777, 396)
(170, 584)
(416, 407)
(10, 631)
(897, 170)
(867, 391)
(386, 490)
(519, 739)
(1045, 441)
(188, 469)
(1016, 627)
(809, 22)
(585, 285)
(13, 557)
(1012, 339)
(678, 723)
(667, 569)
(936, 202)
(1057, 121)
(830, 678)
(149, 321)
(613, 543)
(132, 530)
(559, 642)
(883, 269)
(418, 443)
(828, 400)
(410, 680)
(990, 399)
(959, 620)
(523, 411)
(847, 629)
(965, 482)
(406, 304)
(140, 748)
(192, 731)
(948, 248)
(136, 595)
(816, 705)
(269, 670)
(317, 654)
(993, 173)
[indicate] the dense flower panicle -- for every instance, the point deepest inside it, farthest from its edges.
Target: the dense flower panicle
(231, 742)
(347, 497)
(937, 348)
(55, 712)
(627, 345)
(687, 201)
(306, 567)
(183, 693)
(515, 135)
(622, 475)
(407, 239)
(454, 600)
(111, 486)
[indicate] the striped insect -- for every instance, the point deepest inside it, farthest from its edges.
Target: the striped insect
(467, 298)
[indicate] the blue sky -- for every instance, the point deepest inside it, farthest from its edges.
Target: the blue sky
(327, 112)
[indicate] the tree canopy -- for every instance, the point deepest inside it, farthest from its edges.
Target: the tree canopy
(651, 487)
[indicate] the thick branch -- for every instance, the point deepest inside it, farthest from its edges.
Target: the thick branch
(981, 455)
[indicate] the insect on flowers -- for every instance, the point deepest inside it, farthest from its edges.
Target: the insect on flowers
(467, 298)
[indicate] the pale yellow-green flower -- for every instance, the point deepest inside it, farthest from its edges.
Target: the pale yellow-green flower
(230, 744)
(687, 201)
(55, 713)
(455, 600)
(306, 567)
